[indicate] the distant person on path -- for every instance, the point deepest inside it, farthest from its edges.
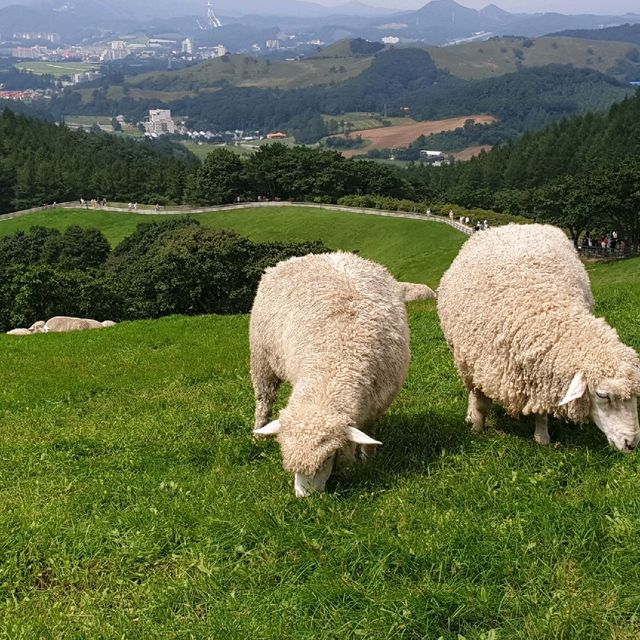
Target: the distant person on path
(135, 206)
(130, 206)
(157, 207)
(451, 214)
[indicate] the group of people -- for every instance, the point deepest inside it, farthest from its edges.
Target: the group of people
(94, 202)
(481, 225)
(608, 243)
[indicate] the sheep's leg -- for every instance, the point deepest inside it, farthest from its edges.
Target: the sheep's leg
(541, 436)
(478, 409)
(265, 385)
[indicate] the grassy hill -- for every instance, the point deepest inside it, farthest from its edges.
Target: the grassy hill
(136, 503)
(403, 245)
(477, 60)
(249, 71)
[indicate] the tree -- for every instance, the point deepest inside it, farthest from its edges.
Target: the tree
(219, 180)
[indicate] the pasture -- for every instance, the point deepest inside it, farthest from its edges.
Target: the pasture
(56, 69)
(137, 504)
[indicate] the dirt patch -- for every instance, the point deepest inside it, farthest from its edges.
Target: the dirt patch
(471, 152)
(404, 135)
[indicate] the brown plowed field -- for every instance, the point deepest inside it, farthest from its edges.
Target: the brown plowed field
(471, 152)
(404, 135)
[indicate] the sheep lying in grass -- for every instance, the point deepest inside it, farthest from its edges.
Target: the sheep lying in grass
(517, 311)
(19, 332)
(59, 324)
(335, 327)
(412, 291)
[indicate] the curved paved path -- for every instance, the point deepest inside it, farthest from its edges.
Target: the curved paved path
(180, 210)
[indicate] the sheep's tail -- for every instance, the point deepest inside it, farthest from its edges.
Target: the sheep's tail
(411, 291)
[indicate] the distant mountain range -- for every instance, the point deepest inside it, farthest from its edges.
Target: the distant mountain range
(437, 22)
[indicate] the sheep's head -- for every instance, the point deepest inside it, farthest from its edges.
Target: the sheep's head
(314, 447)
(613, 404)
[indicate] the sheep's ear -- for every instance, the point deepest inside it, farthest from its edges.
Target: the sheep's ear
(360, 437)
(576, 389)
(271, 429)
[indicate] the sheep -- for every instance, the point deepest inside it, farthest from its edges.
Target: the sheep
(516, 309)
(412, 291)
(19, 332)
(335, 327)
(59, 324)
(108, 323)
(37, 327)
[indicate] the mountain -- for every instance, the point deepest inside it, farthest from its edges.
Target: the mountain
(443, 21)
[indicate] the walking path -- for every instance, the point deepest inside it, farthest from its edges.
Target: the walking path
(183, 210)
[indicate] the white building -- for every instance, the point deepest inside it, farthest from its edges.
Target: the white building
(391, 40)
(273, 44)
(187, 46)
(433, 157)
(159, 122)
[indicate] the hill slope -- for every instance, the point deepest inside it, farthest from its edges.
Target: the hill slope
(398, 243)
(135, 498)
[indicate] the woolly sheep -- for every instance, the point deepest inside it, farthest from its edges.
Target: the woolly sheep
(19, 332)
(411, 291)
(335, 327)
(65, 323)
(517, 311)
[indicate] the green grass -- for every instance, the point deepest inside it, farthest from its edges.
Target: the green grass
(249, 71)
(412, 249)
(362, 120)
(476, 60)
(56, 69)
(137, 505)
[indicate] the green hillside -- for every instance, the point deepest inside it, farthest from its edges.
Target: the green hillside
(477, 60)
(249, 71)
(136, 503)
(412, 249)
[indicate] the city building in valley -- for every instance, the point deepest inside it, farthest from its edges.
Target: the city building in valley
(159, 122)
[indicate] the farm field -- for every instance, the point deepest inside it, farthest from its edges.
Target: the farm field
(403, 135)
(361, 120)
(56, 69)
(137, 504)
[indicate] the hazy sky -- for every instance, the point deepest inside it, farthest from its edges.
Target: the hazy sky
(611, 7)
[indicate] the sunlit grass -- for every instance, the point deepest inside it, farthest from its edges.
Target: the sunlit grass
(136, 503)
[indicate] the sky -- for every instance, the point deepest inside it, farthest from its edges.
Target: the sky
(610, 7)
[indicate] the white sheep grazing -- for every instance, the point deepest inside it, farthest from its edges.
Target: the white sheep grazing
(517, 311)
(19, 332)
(37, 327)
(335, 327)
(412, 291)
(108, 323)
(60, 324)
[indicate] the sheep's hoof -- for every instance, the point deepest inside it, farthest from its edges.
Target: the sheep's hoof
(475, 426)
(542, 438)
